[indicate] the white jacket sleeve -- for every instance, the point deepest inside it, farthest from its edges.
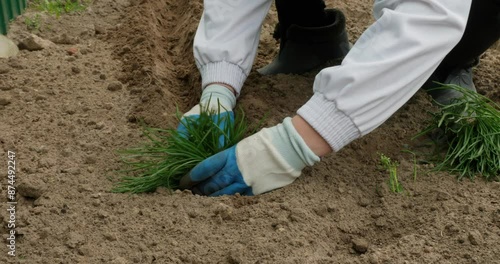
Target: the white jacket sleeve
(385, 68)
(226, 41)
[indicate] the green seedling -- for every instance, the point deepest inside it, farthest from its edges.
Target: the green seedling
(33, 23)
(391, 166)
(471, 129)
(59, 7)
(170, 154)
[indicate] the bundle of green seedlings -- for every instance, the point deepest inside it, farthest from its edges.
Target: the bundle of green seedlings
(170, 154)
(471, 127)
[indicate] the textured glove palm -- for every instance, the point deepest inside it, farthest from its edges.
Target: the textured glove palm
(272, 158)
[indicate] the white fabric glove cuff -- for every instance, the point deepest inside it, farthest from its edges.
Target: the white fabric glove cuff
(215, 94)
(273, 158)
(290, 144)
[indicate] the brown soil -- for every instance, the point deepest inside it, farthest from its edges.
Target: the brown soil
(68, 113)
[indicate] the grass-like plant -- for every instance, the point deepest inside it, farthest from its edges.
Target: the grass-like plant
(171, 154)
(59, 7)
(471, 129)
(33, 22)
(392, 167)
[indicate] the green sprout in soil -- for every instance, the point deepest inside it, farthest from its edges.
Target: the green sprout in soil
(471, 129)
(391, 166)
(33, 23)
(170, 154)
(59, 7)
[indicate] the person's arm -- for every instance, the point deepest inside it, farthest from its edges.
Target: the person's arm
(385, 68)
(312, 139)
(388, 64)
(226, 40)
(224, 49)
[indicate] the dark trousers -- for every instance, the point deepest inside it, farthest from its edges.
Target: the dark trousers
(482, 30)
(306, 13)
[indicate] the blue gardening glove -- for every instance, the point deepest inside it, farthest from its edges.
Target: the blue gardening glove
(215, 98)
(270, 159)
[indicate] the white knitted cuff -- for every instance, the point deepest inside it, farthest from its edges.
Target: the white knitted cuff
(333, 125)
(223, 72)
(215, 94)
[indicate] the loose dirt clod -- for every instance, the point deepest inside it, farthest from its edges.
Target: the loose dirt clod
(33, 42)
(5, 99)
(4, 69)
(115, 86)
(475, 237)
(74, 240)
(360, 245)
(364, 202)
(32, 188)
(72, 51)
(65, 39)
(75, 70)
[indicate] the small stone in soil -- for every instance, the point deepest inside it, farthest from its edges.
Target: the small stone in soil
(99, 29)
(364, 202)
(109, 236)
(99, 125)
(442, 196)
(65, 39)
(108, 106)
(70, 111)
(72, 51)
(235, 257)
(475, 237)
(224, 210)
(5, 99)
(89, 160)
(32, 188)
(75, 70)
(4, 69)
(6, 87)
(40, 98)
(33, 42)
(360, 245)
(74, 239)
(115, 86)
(381, 222)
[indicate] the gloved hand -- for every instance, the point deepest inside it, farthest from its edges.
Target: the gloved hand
(215, 98)
(270, 159)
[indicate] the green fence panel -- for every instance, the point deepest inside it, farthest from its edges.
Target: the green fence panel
(4, 17)
(10, 9)
(20, 6)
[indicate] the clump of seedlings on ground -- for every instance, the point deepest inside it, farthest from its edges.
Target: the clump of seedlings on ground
(470, 127)
(170, 154)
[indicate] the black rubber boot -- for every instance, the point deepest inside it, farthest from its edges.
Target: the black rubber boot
(307, 48)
